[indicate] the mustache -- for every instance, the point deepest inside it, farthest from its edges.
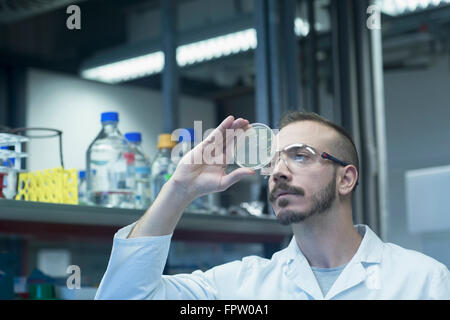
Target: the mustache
(287, 188)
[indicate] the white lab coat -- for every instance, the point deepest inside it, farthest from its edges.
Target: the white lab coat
(377, 271)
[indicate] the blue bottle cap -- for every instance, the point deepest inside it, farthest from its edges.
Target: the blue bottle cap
(133, 136)
(82, 174)
(110, 116)
(188, 139)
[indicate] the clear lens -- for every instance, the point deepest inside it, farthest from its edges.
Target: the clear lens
(255, 147)
(300, 155)
(296, 156)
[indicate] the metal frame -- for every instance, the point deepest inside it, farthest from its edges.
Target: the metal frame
(276, 76)
(380, 129)
(262, 63)
(170, 74)
(345, 84)
(290, 54)
(365, 100)
(312, 65)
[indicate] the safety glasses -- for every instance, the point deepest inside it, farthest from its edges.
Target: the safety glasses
(298, 157)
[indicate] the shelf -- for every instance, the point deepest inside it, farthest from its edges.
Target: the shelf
(39, 212)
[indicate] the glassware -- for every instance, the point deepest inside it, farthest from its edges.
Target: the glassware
(10, 163)
(110, 167)
(82, 199)
(162, 166)
(255, 147)
(142, 171)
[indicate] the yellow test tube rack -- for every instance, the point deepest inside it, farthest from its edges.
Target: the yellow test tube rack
(52, 185)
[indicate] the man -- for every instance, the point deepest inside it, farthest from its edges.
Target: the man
(314, 174)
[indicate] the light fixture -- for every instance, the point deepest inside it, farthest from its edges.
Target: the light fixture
(399, 7)
(128, 69)
(188, 54)
(217, 47)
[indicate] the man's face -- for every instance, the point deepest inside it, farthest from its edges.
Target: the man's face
(310, 190)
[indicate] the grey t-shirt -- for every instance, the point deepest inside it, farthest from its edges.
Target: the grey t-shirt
(327, 276)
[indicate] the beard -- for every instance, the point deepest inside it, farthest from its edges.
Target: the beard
(321, 202)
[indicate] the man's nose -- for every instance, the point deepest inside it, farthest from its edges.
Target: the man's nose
(281, 171)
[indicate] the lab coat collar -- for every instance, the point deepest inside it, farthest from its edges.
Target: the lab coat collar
(370, 249)
(298, 268)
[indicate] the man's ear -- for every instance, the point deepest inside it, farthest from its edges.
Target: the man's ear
(348, 178)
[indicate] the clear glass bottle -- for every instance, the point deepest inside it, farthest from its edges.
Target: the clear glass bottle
(185, 144)
(110, 167)
(161, 165)
(82, 187)
(142, 171)
(9, 177)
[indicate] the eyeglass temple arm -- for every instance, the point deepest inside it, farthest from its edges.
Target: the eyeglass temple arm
(330, 157)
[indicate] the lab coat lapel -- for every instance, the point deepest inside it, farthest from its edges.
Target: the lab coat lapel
(303, 277)
(369, 252)
(299, 271)
(352, 275)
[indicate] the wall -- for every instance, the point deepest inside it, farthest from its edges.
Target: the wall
(418, 136)
(73, 105)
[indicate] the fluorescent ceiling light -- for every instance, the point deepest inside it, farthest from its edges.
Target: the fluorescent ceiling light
(216, 47)
(126, 69)
(399, 7)
(187, 54)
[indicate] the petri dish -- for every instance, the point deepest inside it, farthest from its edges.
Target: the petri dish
(254, 147)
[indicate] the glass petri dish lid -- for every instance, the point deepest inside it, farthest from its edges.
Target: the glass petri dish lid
(255, 147)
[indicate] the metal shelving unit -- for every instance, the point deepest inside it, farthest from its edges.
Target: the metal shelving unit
(17, 212)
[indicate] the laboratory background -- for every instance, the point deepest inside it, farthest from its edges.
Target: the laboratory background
(92, 90)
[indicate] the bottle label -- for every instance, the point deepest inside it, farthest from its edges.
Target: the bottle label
(129, 156)
(142, 170)
(99, 162)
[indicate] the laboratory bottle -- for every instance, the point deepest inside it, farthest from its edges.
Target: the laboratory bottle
(142, 171)
(161, 165)
(110, 167)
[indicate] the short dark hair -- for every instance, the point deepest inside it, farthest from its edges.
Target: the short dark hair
(345, 148)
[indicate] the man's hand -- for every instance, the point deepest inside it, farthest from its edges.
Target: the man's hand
(200, 171)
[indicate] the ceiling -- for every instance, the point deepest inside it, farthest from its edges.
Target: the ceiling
(16, 10)
(34, 33)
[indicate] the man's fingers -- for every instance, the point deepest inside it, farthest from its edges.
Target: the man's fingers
(220, 130)
(221, 138)
(226, 124)
(219, 135)
(239, 123)
(235, 176)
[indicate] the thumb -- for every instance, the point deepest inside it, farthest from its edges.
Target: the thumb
(235, 176)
